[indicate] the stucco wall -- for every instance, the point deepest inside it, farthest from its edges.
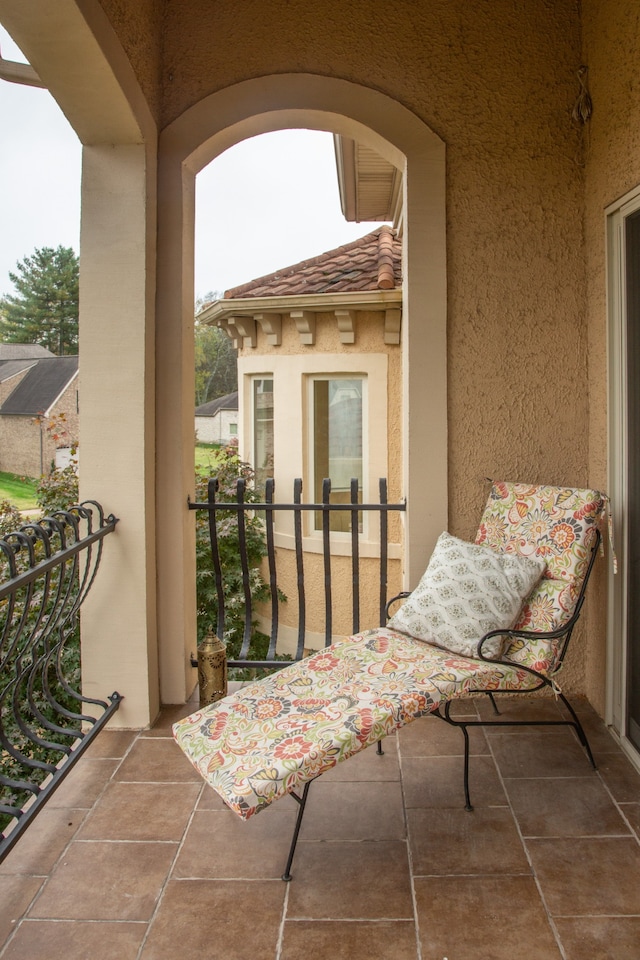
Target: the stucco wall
(497, 82)
(139, 29)
(501, 99)
(289, 364)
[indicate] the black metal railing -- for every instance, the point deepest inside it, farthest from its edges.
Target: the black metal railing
(46, 571)
(241, 509)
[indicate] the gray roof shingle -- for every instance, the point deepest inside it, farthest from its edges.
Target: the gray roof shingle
(40, 387)
(228, 402)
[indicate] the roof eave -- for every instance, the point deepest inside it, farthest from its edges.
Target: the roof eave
(221, 310)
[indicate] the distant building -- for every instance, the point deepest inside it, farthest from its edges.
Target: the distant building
(217, 420)
(320, 396)
(36, 389)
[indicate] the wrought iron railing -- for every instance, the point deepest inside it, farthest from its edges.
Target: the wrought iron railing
(46, 571)
(240, 509)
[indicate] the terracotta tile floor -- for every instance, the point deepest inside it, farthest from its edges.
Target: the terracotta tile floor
(135, 858)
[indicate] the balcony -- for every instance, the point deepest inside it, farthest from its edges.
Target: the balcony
(135, 858)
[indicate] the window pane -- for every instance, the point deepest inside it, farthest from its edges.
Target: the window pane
(337, 453)
(262, 430)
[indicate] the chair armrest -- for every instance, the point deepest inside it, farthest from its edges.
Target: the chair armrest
(398, 596)
(560, 631)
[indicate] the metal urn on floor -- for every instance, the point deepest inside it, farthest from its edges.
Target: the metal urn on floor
(212, 669)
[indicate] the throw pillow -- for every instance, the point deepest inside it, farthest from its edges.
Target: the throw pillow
(466, 591)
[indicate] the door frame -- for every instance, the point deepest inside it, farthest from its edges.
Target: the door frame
(618, 460)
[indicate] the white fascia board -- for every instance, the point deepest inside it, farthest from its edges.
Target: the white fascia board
(315, 302)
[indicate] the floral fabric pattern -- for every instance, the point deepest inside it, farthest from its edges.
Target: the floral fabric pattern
(558, 525)
(467, 590)
(276, 734)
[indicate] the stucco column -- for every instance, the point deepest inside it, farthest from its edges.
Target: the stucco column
(424, 346)
(175, 406)
(117, 423)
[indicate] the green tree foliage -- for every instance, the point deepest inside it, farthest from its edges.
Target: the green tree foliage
(216, 363)
(44, 308)
(230, 469)
(58, 491)
(10, 518)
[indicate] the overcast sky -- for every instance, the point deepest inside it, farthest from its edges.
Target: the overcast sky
(264, 204)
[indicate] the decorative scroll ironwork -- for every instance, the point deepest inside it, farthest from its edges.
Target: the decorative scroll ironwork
(242, 508)
(46, 571)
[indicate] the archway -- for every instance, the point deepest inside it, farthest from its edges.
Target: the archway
(186, 146)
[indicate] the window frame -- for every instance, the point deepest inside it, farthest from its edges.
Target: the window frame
(310, 380)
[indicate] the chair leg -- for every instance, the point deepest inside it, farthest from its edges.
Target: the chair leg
(577, 726)
(468, 805)
(493, 702)
(379, 749)
(302, 802)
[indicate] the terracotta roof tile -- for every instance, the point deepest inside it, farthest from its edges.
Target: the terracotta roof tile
(371, 263)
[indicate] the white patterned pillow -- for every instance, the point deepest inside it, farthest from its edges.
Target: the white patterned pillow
(466, 591)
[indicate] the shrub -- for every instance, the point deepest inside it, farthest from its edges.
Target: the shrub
(58, 491)
(230, 470)
(10, 518)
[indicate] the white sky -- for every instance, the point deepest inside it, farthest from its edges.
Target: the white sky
(264, 204)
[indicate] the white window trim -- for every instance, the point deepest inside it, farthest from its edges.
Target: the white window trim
(309, 474)
(250, 454)
(290, 373)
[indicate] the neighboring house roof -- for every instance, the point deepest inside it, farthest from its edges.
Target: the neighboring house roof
(40, 387)
(23, 351)
(374, 262)
(10, 368)
(228, 402)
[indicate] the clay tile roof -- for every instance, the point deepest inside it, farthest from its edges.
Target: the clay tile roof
(371, 263)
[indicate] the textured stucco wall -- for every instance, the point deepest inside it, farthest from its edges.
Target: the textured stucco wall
(138, 25)
(369, 339)
(289, 363)
(497, 82)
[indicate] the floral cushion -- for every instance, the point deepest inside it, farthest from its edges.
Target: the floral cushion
(466, 591)
(559, 525)
(278, 733)
(274, 735)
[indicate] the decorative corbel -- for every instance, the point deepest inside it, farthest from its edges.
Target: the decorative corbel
(346, 325)
(305, 322)
(246, 327)
(271, 324)
(392, 322)
(230, 330)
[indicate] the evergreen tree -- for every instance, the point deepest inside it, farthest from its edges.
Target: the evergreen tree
(44, 308)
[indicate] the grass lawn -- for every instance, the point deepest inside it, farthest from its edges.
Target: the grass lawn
(20, 491)
(207, 457)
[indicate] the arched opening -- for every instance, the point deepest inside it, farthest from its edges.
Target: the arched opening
(186, 146)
